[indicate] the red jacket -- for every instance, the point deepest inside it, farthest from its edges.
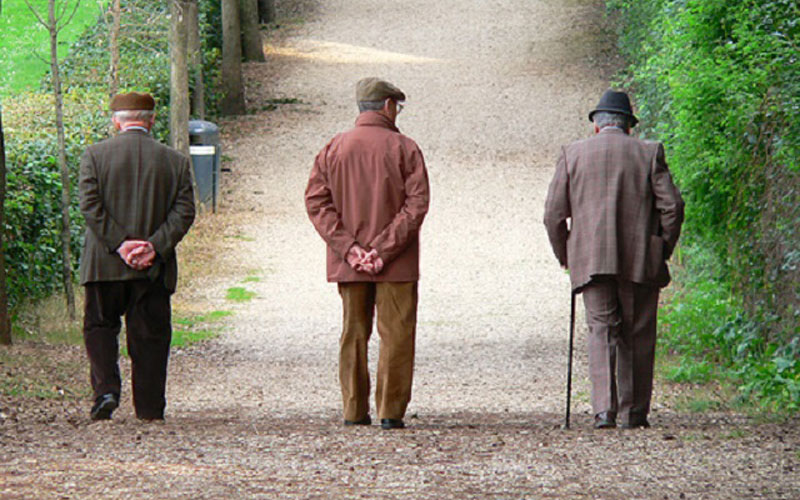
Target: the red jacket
(369, 185)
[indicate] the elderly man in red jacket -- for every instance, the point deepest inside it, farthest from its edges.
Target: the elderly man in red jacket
(367, 197)
(626, 216)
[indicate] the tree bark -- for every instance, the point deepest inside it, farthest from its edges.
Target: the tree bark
(232, 87)
(252, 45)
(266, 11)
(5, 319)
(66, 269)
(179, 76)
(196, 62)
(113, 46)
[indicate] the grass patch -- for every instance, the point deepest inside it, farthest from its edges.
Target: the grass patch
(251, 279)
(25, 42)
(239, 294)
(35, 370)
(273, 104)
(46, 321)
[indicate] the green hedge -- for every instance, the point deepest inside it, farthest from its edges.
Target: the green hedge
(719, 83)
(33, 197)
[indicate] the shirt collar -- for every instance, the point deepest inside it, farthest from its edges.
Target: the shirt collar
(375, 119)
(137, 128)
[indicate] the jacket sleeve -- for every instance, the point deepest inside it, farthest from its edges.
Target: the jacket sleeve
(107, 230)
(557, 210)
(321, 210)
(668, 202)
(405, 226)
(180, 216)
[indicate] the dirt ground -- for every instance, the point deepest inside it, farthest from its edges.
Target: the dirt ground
(494, 88)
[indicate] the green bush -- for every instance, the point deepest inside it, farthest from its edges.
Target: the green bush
(719, 83)
(33, 196)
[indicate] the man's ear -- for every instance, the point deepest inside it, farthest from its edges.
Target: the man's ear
(115, 122)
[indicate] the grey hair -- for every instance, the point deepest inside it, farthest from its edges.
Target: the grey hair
(133, 115)
(370, 105)
(606, 119)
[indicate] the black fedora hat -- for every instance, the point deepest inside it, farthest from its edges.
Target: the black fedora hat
(615, 102)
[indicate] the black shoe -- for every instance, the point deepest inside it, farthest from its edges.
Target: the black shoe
(636, 420)
(104, 406)
(392, 423)
(605, 420)
(364, 421)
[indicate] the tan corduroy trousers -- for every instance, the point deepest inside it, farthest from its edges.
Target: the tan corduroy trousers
(396, 305)
(621, 316)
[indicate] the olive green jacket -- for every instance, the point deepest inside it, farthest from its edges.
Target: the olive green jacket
(133, 187)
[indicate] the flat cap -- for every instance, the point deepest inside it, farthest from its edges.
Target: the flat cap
(375, 89)
(133, 101)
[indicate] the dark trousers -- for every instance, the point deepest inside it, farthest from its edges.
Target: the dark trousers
(396, 305)
(146, 307)
(621, 316)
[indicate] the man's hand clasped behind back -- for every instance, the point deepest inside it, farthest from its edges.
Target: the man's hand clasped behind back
(137, 254)
(364, 261)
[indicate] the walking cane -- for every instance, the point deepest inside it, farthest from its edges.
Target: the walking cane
(569, 362)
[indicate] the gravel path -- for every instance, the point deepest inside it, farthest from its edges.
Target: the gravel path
(494, 86)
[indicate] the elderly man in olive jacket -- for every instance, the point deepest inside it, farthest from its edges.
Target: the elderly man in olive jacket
(367, 197)
(626, 216)
(136, 196)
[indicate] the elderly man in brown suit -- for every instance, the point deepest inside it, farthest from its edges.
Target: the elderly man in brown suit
(136, 196)
(625, 218)
(367, 197)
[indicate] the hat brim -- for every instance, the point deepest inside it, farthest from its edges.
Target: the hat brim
(615, 110)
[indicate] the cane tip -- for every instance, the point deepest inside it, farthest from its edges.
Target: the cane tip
(564, 427)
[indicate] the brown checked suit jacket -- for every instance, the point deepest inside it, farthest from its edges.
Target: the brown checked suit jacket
(133, 187)
(625, 211)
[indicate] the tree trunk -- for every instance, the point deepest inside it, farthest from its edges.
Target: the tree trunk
(62, 161)
(5, 320)
(196, 62)
(232, 87)
(252, 45)
(113, 86)
(179, 76)
(113, 45)
(266, 11)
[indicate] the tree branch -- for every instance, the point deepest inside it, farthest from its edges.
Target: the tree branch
(36, 14)
(59, 25)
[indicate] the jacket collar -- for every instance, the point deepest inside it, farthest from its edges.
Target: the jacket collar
(375, 119)
(612, 130)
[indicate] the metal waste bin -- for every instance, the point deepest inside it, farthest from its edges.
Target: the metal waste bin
(205, 150)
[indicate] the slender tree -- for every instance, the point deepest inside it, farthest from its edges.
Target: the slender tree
(179, 75)
(113, 46)
(266, 11)
(196, 63)
(57, 19)
(232, 86)
(5, 319)
(252, 45)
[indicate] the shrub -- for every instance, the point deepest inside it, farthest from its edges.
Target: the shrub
(719, 83)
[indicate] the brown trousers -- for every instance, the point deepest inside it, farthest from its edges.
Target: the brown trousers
(621, 316)
(146, 307)
(396, 305)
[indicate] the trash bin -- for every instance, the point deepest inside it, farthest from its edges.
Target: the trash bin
(205, 150)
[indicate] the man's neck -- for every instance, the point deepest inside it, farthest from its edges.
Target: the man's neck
(614, 127)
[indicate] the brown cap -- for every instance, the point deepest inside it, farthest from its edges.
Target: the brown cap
(375, 89)
(133, 101)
